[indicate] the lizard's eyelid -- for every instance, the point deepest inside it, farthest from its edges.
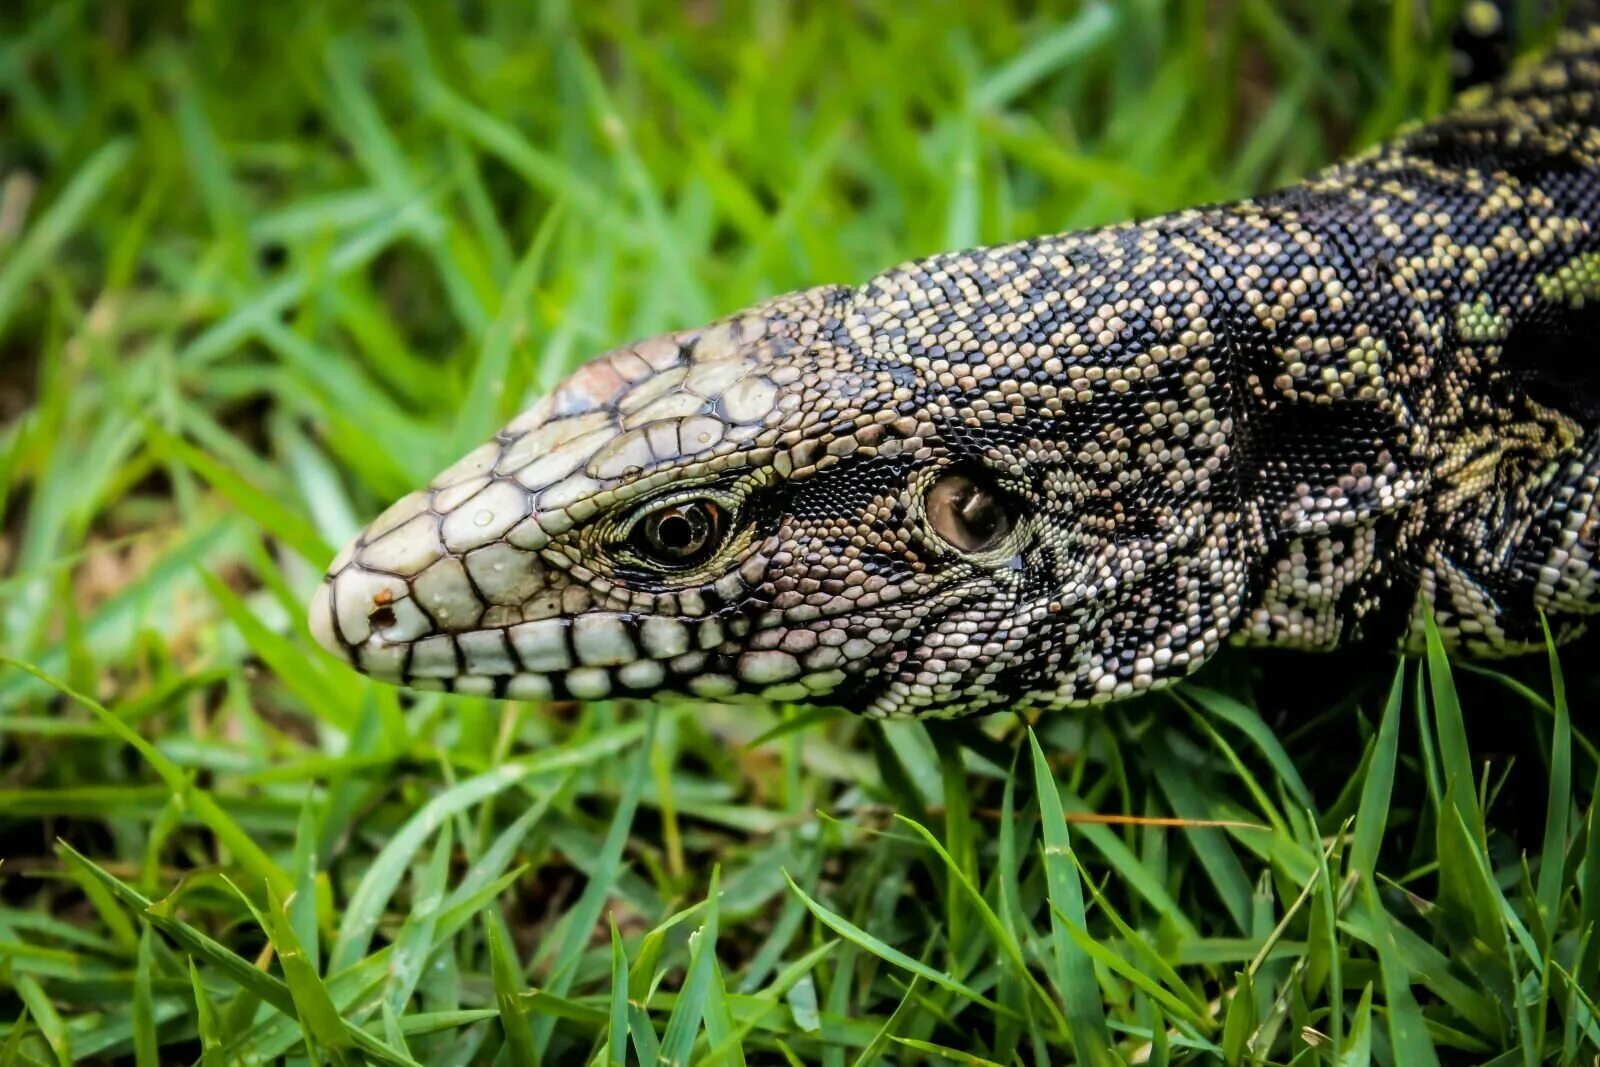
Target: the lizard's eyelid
(627, 525)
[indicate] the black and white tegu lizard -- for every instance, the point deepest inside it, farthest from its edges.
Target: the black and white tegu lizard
(1061, 471)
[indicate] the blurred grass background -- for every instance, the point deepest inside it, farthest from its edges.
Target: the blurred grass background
(264, 268)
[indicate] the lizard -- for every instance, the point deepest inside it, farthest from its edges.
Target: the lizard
(1061, 471)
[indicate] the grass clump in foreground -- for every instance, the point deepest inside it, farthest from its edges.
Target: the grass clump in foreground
(261, 272)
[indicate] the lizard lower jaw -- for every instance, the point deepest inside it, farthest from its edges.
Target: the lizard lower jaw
(595, 657)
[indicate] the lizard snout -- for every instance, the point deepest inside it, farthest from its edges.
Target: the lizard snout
(371, 608)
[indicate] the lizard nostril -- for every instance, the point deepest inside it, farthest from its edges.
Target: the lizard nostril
(382, 617)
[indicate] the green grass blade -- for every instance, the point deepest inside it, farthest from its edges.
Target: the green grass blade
(239, 970)
(211, 1053)
(617, 1032)
(1248, 722)
(458, 913)
(683, 1025)
(315, 1008)
(1327, 972)
(483, 406)
(1239, 1021)
(889, 954)
(1113, 962)
(944, 1052)
(786, 986)
(1154, 964)
(1408, 1032)
(11, 1051)
(1074, 970)
(520, 1051)
(1553, 857)
(393, 1035)
(414, 943)
(228, 831)
(146, 1046)
(1191, 800)
(327, 696)
(1357, 1051)
(1372, 818)
(1588, 967)
(887, 1032)
(1000, 936)
(1065, 45)
(371, 896)
(22, 264)
(960, 858)
(1460, 783)
(259, 504)
(47, 1019)
(580, 921)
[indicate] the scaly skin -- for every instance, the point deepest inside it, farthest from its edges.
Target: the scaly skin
(1294, 420)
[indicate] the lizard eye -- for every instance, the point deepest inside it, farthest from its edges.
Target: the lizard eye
(967, 514)
(679, 535)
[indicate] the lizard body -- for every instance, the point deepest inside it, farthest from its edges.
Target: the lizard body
(1059, 471)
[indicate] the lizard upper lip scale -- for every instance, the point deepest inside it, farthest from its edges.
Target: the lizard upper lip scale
(1060, 471)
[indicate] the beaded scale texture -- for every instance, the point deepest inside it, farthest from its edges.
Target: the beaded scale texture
(1061, 471)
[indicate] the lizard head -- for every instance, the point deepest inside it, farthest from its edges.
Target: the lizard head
(875, 498)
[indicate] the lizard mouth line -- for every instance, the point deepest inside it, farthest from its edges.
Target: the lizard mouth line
(588, 657)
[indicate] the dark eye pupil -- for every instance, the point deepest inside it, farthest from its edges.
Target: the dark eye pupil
(675, 532)
(680, 534)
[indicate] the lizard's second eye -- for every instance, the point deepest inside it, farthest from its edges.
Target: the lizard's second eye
(679, 535)
(967, 513)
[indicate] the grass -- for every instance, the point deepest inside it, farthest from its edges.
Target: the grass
(264, 269)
